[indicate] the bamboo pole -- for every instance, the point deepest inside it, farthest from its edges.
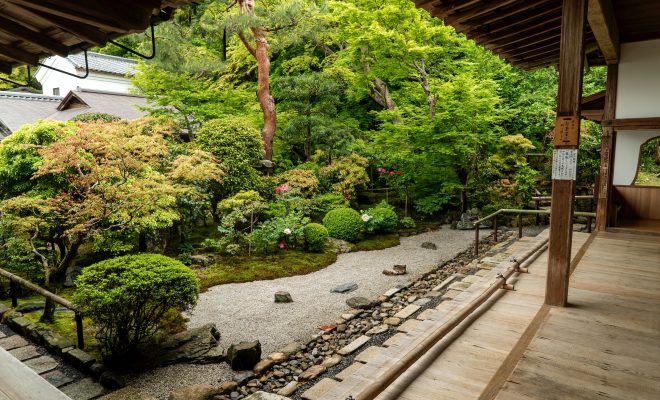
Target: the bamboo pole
(15, 279)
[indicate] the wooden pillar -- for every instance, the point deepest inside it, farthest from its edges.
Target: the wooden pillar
(567, 129)
(607, 151)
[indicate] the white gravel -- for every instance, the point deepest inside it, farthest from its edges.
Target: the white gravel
(246, 311)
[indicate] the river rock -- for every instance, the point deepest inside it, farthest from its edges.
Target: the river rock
(197, 345)
(244, 355)
(203, 260)
(283, 297)
(359, 303)
(429, 246)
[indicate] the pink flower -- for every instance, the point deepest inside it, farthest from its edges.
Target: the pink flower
(391, 173)
(277, 190)
(285, 187)
(282, 245)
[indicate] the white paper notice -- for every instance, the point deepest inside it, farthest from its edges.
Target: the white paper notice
(564, 164)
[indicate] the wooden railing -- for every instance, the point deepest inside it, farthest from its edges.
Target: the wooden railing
(538, 200)
(493, 216)
(49, 306)
(433, 343)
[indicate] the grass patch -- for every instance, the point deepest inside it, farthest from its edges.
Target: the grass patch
(262, 267)
(649, 178)
(377, 243)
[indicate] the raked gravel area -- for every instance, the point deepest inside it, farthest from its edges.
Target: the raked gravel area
(246, 311)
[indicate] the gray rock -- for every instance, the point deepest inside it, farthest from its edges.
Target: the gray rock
(12, 342)
(42, 364)
(203, 260)
(57, 378)
(244, 355)
(398, 269)
(190, 346)
(345, 288)
(56, 343)
(30, 306)
(283, 297)
(20, 324)
(3, 310)
(213, 356)
(242, 377)
(359, 303)
(79, 359)
(290, 348)
(429, 246)
(24, 353)
(112, 380)
(194, 392)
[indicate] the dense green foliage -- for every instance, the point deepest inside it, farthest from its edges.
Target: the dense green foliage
(381, 220)
(344, 223)
(95, 117)
(126, 297)
(316, 237)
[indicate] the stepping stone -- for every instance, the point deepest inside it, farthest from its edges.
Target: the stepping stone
(57, 378)
(377, 330)
(451, 294)
(369, 354)
(470, 279)
(446, 282)
(459, 286)
(345, 288)
(407, 311)
(427, 314)
(21, 325)
(393, 321)
(24, 353)
(394, 339)
(317, 391)
(422, 301)
(288, 389)
(392, 291)
(85, 389)
(348, 371)
(482, 272)
(354, 345)
(409, 325)
(12, 342)
(42, 364)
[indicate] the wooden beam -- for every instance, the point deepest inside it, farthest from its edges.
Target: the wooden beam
(87, 33)
(39, 40)
(5, 68)
(603, 24)
(19, 55)
(533, 18)
(476, 10)
(569, 101)
(607, 152)
(524, 39)
(632, 124)
(513, 12)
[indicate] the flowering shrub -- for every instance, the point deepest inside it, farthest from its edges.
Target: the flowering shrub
(381, 220)
(316, 237)
(239, 214)
(345, 175)
(303, 180)
(286, 232)
(344, 223)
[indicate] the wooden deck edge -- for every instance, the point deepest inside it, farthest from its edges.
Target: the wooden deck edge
(632, 231)
(509, 364)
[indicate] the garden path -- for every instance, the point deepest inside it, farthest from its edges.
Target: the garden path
(246, 311)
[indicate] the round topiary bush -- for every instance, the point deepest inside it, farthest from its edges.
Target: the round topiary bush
(382, 220)
(127, 297)
(344, 223)
(316, 237)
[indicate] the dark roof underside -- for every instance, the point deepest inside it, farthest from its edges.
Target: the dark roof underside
(34, 29)
(526, 33)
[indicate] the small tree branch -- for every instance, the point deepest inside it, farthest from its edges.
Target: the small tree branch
(247, 44)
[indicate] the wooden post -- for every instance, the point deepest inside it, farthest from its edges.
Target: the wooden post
(607, 151)
(567, 129)
(495, 228)
(79, 330)
(476, 240)
(49, 311)
(520, 225)
(537, 219)
(13, 292)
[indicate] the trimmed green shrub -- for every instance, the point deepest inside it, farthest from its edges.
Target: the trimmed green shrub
(381, 220)
(407, 223)
(127, 297)
(316, 237)
(344, 223)
(95, 117)
(324, 203)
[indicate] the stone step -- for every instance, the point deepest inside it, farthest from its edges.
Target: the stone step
(42, 364)
(57, 378)
(84, 389)
(369, 353)
(12, 342)
(24, 353)
(317, 391)
(354, 345)
(407, 311)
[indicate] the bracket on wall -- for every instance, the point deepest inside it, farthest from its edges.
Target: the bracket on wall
(27, 83)
(69, 73)
(153, 45)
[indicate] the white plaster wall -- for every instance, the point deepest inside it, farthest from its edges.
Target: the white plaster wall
(638, 96)
(50, 79)
(626, 157)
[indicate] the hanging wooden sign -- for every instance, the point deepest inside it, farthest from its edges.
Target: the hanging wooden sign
(567, 131)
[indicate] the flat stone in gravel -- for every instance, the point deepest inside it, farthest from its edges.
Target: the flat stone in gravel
(408, 326)
(24, 353)
(345, 288)
(41, 364)
(359, 302)
(459, 286)
(369, 354)
(288, 389)
(311, 373)
(57, 378)
(84, 389)
(377, 330)
(354, 345)
(283, 297)
(407, 311)
(12, 342)
(321, 388)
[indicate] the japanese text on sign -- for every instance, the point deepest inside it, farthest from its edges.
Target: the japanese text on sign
(564, 164)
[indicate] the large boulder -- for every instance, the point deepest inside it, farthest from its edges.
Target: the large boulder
(197, 345)
(244, 355)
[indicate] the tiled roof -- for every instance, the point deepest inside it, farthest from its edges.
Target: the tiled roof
(103, 63)
(119, 104)
(18, 108)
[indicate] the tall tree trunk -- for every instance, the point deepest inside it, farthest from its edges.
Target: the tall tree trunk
(423, 79)
(266, 100)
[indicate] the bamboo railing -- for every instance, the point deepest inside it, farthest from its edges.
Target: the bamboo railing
(51, 300)
(493, 216)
